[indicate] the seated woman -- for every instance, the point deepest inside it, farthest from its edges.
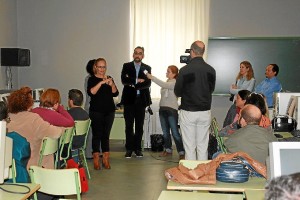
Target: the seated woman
(233, 113)
(51, 110)
(30, 125)
(259, 101)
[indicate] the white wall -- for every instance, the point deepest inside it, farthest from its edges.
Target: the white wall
(64, 35)
(8, 35)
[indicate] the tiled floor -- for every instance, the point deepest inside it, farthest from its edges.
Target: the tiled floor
(134, 178)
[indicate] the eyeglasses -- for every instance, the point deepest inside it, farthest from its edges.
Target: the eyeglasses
(101, 67)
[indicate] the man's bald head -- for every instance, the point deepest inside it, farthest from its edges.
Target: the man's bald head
(251, 114)
(198, 48)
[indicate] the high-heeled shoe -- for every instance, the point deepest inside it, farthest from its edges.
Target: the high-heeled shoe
(96, 159)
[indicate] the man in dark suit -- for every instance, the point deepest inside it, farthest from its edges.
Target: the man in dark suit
(135, 98)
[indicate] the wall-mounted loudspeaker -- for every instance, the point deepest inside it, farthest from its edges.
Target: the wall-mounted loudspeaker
(15, 57)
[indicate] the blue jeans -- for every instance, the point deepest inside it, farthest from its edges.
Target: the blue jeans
(169, 121)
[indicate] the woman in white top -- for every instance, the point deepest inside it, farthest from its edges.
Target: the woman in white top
(245, 79)
(168, 111)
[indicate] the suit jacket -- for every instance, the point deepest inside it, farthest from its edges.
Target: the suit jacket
(128, 78)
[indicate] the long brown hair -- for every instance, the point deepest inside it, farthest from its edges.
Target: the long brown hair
(250, 73)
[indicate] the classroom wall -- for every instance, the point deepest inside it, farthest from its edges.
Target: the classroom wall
(8, 35)
(64, 34)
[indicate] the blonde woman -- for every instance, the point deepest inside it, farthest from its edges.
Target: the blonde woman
(245, 79)
(101, 88)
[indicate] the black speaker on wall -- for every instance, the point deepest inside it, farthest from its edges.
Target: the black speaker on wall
(15, 57)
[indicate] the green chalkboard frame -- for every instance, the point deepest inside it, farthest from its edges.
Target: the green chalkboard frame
(226, 53)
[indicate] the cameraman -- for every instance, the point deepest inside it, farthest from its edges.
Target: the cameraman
(195, 85)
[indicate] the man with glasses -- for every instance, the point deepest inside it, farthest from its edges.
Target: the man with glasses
(195, 85)
(270, 85)
(135, 98)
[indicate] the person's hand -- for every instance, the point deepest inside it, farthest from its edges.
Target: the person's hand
(55, 106)
(149, 76)
(234, 86)
(109, 81)
(140, 80)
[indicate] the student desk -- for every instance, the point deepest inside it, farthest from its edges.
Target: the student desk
(175, 195)
(255, 194)
(118, 129)
(253, 183)
(11, 196)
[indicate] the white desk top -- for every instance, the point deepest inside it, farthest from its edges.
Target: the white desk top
(176, 195)
(10, 196)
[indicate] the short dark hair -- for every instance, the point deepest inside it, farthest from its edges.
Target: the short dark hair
(244, 94)
(76, 96)
(139, 47)
(3, 110)
(275, 68)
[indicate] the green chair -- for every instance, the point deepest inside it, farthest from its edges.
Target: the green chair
(56, 181)
(82, 129)
(65, 146)
(215, 130)
(49, 146)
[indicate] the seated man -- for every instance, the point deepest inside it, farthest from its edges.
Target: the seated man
(78, 113)
(284, 187)
(270, 85)
(251, 138)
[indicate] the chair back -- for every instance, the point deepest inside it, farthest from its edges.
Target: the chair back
(215, 130)
(82, 127)
(65, 143)
(49, 146)
(56, 181)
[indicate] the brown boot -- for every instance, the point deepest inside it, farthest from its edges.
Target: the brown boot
(96, 160)
(106, 160)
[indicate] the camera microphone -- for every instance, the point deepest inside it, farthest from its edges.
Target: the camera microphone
(149, 110)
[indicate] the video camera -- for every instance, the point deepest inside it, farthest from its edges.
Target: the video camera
(185, 59)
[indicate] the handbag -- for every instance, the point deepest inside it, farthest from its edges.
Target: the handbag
(83, 180)
(232, 172)
(157, 142)
(236, 170)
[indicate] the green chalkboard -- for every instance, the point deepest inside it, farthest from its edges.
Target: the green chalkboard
(225, 55)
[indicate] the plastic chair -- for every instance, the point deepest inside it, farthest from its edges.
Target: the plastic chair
(65, 145)
(82, 128)
(215, 130)
(49, 146)
(56, 181)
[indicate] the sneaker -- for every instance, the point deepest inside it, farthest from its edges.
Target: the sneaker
(128, 154)
(139, 154)
(164, 154)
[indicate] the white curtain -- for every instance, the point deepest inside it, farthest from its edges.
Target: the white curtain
(165, 28)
